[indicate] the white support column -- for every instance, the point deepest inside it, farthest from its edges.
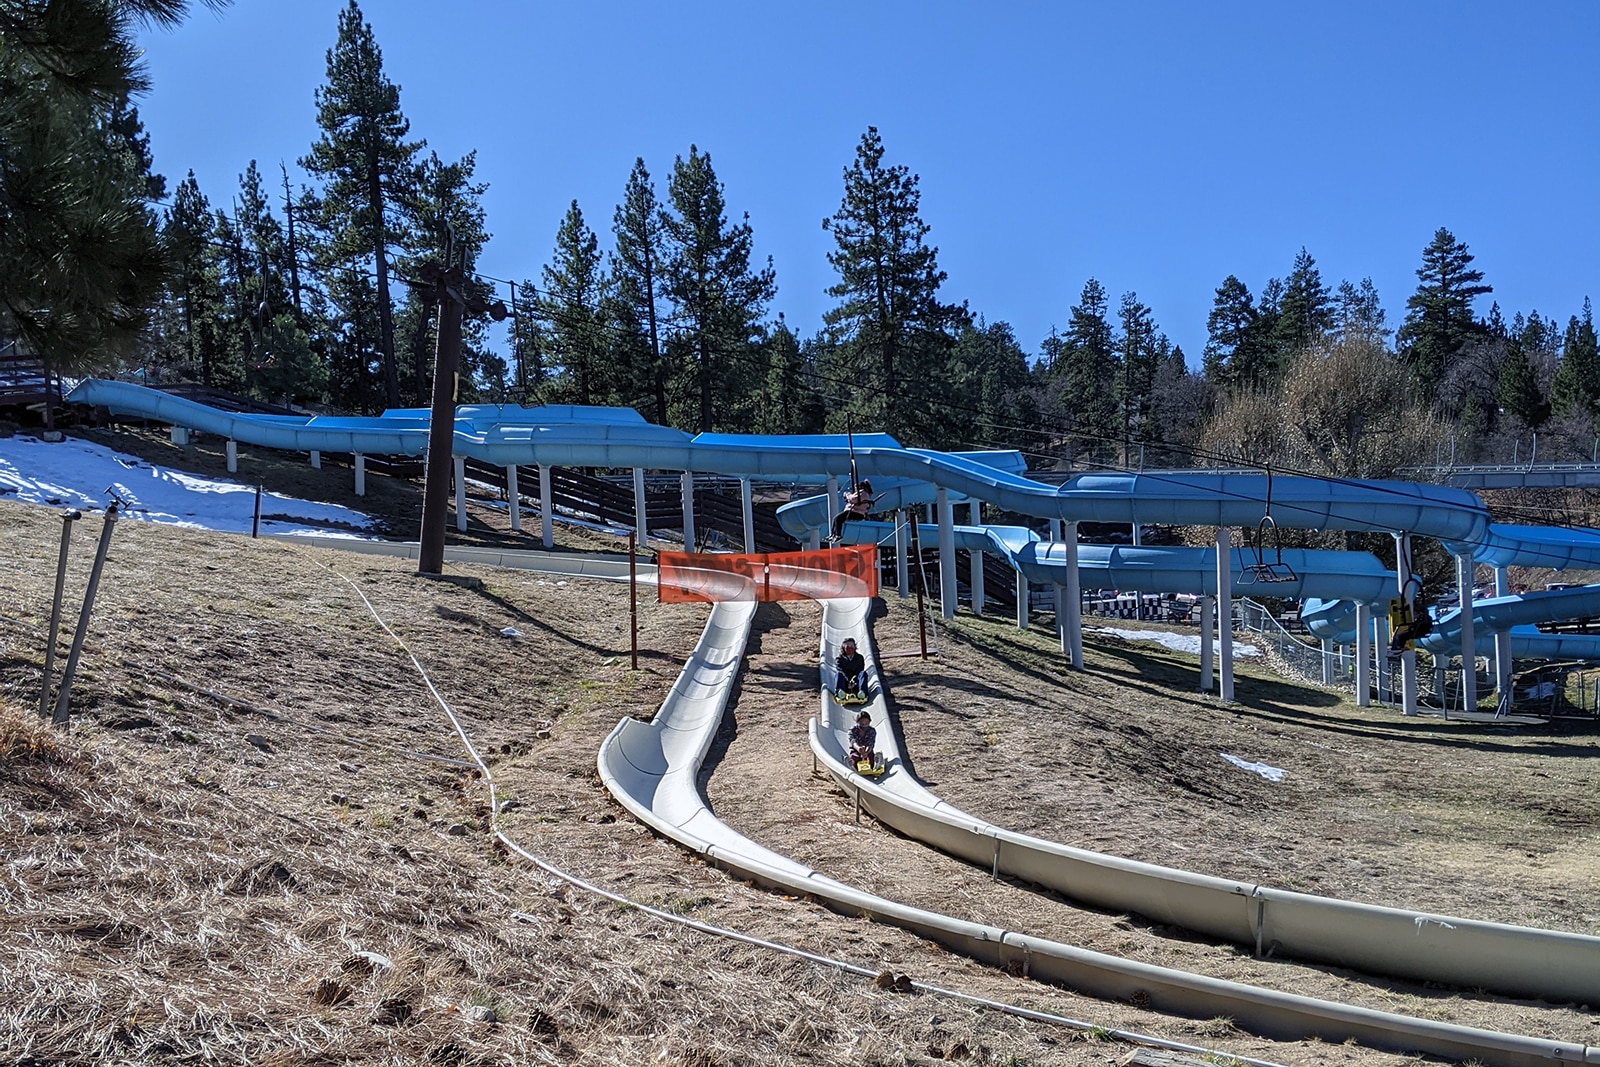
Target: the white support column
(1363, 655)
(1061, 616)
(1502, 642)
(902, 548)
(688, 511)
(640, 523)
(976, 581)
(1327, 662)
(180, 435)
(1074, 649)
(814, 540)
(361, 474)
(233, 456)
(947, 553)
(1208, 611)
(513, 497)
(1380, 627)
(460, 465)
(316, 460)
(1225, 611)
(1469, 644)
(547, 509)
(833, 503)
(1022, 601)
(749, 514)
(1408, 660)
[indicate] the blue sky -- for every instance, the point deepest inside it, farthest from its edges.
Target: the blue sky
(1156, 146)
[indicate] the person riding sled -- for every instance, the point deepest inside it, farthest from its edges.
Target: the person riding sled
(857, 502)
(863, 740)
(852, 668)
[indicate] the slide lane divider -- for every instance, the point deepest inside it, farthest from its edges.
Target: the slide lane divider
(651, 769)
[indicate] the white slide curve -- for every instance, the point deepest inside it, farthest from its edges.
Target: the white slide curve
(652, 770)
(1516, 960)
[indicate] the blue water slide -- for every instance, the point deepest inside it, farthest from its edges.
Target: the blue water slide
(1556, 547)
(1319, 573)
(1335, 621)
(512, 435)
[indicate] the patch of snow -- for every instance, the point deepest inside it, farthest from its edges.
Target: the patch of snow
(80, 474)
(1270, 773)
(1189, 643)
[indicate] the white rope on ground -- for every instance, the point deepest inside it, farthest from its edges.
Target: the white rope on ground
(1130, 1036)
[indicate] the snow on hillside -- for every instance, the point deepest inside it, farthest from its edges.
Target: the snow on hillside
(77, 473)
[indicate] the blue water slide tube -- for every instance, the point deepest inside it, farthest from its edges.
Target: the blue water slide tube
(1175, 498)
(1335, 621)
(1556, 547)
(1319, 573)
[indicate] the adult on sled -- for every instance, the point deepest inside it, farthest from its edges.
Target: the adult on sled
(852, 667)
(857, 503)
(863, 740)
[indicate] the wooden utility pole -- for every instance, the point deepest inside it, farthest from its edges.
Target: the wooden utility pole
(447, 287)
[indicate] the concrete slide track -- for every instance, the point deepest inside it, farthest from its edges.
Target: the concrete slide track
(652, 769)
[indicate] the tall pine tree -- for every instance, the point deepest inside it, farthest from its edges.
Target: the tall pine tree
(1233, 350)
(1082, 377)
(1439, 319)
(368, 169)
(1576, 388)
(636, 266)
(891, 334)
(1306, 312)
(572, 307)
(718, 296)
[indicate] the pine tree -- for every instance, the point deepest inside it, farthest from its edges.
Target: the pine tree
(571, 307)
(194, 284)
(1518, 390)
(718, 297)
(368, 170)
(891, 334)
(83, 266)
(992, 403)
(1140, 354)
(787, 402)
(636, 267)
(1230, 356)
(444, 207)
(1360, 314)
(1083, 375)
(1576, 388)
(1439, 318)
(1306, 313)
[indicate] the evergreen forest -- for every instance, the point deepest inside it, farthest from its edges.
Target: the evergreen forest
(295, 290)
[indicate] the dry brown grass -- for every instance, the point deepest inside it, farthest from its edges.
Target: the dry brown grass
(191, 879)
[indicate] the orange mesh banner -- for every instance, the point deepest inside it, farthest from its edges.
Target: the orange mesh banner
(822, 574)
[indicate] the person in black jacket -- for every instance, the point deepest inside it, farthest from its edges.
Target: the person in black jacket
(852, 666)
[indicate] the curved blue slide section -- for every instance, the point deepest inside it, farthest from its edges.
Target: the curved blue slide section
(1318, 573)
(617, 438)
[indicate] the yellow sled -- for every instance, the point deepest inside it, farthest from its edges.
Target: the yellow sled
(872, 768)
(849, 699)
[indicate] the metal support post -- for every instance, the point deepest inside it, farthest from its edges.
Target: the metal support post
(460, 465)
(688, 511)
(64, 697)
(947, 554)
(1363, 655)
(68, 517)
(1225, 611)
(547, 509)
